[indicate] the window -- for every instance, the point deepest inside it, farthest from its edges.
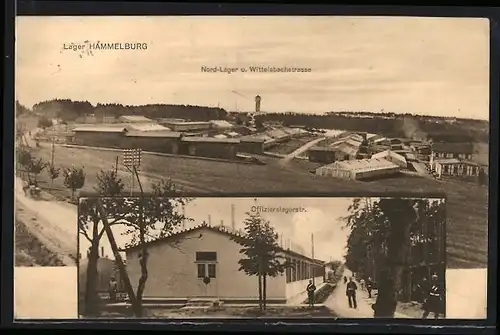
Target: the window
(211, 272)
(206, 256)
(206, 264)
(201, 270)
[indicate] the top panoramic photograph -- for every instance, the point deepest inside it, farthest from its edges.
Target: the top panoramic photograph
(215, 105)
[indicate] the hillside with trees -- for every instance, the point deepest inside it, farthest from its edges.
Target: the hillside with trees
(69, 110)
(391, 125)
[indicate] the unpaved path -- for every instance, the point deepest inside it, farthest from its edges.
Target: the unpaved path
(338, 303)
(53, 223)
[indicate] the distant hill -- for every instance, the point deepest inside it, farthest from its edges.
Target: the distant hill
(391, 125)
(70, 110)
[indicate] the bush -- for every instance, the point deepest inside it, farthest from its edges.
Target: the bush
(322, 294)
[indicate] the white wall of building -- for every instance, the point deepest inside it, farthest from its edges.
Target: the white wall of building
(173, 271)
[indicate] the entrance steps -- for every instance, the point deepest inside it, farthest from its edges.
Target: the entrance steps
(202, 303)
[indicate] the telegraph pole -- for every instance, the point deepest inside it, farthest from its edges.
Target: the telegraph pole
(312, 256)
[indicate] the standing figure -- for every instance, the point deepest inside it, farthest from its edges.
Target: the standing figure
(434, 301)
(362, 283)
(113, 289)
(423, 289)
(369, 286)
(345, 279)
(351, 293)
(310, 293)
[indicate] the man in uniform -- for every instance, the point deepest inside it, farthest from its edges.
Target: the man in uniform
(423, 289)
(362, 283)
(310, 293)
(434, 300)
(113, 289)
(369, 286)
(351, 293)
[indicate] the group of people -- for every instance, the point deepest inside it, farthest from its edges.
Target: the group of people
(432, 296)
(431, 293)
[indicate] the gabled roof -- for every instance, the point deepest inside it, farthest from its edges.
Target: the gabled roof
(209, 139)
(252, 139)
(146, 127)
(156, 134)
(100, 129)
(221, 123)
(135, 118)
(217, 229)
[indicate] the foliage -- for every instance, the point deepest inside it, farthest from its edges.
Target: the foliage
(44, 122)
(388, 235)
(322, 294)
(261, 252)
(74, 179)
(70, 110)
(21, 109)
(109, 183)
(24, 157)
(53, 172)
(482, 178)
(144, 219)
(36, 167)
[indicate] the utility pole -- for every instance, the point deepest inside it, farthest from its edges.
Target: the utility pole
(312, 256)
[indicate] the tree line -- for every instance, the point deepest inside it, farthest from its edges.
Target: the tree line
(69, 110)
(465, 131)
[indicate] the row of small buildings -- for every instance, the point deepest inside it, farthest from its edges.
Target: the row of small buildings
(442, 159)
(158, 138)
(203, 252)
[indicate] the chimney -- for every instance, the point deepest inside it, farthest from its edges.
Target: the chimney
(222, 223)
(209, 220)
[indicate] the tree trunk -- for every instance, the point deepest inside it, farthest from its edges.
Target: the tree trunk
(142, 281)
(260, 292)
(143, 260)
(118, 259)
(91, 299)
(389, 285)
(264, 292)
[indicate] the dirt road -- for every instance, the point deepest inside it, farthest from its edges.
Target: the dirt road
(302, 149)
(54, 223)
(338, 303)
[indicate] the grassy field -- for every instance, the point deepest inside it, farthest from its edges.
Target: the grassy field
(466, 205)
(29, 251)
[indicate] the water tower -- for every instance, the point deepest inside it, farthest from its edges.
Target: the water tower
(257, 103)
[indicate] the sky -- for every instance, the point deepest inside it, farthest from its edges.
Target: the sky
(320, 217)
(426, 66)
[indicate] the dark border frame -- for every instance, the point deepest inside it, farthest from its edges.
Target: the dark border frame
(149, 8)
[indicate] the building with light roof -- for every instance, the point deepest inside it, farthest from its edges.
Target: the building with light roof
(359, 169)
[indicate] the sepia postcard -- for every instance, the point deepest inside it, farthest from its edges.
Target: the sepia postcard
(212, 106)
